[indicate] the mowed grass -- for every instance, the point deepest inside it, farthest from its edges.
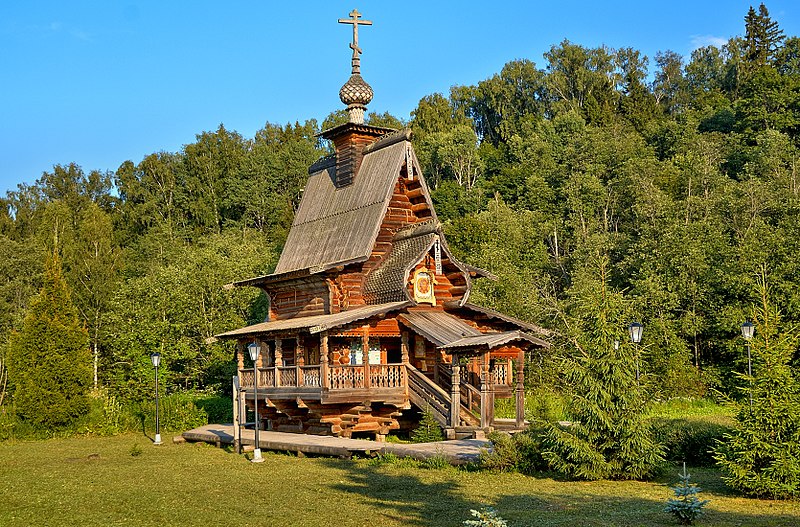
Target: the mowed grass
(97, 481)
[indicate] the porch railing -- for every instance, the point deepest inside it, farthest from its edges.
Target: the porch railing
(342, 377)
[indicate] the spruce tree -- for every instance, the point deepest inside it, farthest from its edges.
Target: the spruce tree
(761, 457)
(608, 436)
(48, 359)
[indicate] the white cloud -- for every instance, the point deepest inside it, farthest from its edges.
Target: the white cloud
(699, 41)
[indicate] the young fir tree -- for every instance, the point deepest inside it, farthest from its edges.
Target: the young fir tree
(608, 436)
(685, 506)
(761, 457)
(48, 359)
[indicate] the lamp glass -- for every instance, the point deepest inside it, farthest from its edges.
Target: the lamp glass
(635, 329)
(747, 330)
(253, 349)
(155, 358)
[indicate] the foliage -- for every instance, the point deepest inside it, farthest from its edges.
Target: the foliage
(761, 456)
(685, 506)
(428, 430)
(177, 413)
(689, 440)
(520, 452)
(48, 362)
(486, 517)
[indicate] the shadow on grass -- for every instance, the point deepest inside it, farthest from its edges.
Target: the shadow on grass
(413, 498)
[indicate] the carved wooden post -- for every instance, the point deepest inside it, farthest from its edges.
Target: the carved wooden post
(278, 360)
(365, 355)
(485, 381)
(323, 359)
(237, 431)
(239, 356)
(404, 347)
(520, 377)
(299, 360)
(455, 394)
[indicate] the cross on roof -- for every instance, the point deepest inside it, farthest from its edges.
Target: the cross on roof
(356, 21)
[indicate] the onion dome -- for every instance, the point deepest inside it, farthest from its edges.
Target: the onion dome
(356, 94)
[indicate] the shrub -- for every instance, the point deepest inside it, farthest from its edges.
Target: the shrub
(520, 452)
(486, 517)
(688, 440)
(177, 412)
(219, 409)
(436, 462)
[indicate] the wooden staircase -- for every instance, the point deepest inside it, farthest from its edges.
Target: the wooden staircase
(426, 394)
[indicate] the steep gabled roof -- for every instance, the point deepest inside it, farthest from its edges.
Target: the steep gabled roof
(335, 226)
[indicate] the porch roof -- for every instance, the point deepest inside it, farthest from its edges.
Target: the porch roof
(494, 340)
(438, 326)
(315, 323)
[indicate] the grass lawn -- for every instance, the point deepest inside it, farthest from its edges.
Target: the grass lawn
(61, 482)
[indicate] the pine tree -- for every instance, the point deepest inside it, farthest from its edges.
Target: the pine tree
(48, 359)
(763, 37)
(608, 437)
(428, 430)
(761, 457)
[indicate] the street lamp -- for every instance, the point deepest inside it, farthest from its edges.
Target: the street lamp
(747, 332)
(635, 330)
(254, 349)
(155, 358)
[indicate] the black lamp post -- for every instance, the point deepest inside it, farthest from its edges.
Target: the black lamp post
(635, 330)
(254, 349)
(155, 358)
(747, 332)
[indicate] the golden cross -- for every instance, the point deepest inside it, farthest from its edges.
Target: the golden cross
(354, 19)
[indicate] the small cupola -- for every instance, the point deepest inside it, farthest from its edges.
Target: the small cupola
(350, 138)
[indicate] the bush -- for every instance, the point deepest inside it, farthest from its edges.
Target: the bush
(219, 409)
(177, 412)
(692, 441)
(520, 452)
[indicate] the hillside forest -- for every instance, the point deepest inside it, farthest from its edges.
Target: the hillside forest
(672, 180)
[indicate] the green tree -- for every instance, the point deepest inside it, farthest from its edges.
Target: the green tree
(761, 457)
(48, 359)
(608, 436)
(763, 37)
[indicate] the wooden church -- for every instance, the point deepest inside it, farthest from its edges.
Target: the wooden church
(370, 322)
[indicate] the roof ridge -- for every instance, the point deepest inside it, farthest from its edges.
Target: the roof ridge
(388, 140)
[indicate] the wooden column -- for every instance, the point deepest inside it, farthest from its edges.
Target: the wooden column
(323, 359)
(520, 378)
(455, 394)
(404, 347)
(437, 359)
(485, 393)
(264, 351)
(278, 361)
(237, 430)
(240, 355)
(299, 361)
(365, 355)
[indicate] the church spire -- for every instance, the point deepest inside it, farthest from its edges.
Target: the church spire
(356, 93)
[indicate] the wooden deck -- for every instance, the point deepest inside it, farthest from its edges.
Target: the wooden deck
(457, 452)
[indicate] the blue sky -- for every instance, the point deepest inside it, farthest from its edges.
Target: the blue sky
(97, 83)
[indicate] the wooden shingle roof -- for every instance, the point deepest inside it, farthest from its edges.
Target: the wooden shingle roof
(335, 226)
(438, 327)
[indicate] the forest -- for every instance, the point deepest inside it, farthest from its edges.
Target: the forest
(674, 177)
